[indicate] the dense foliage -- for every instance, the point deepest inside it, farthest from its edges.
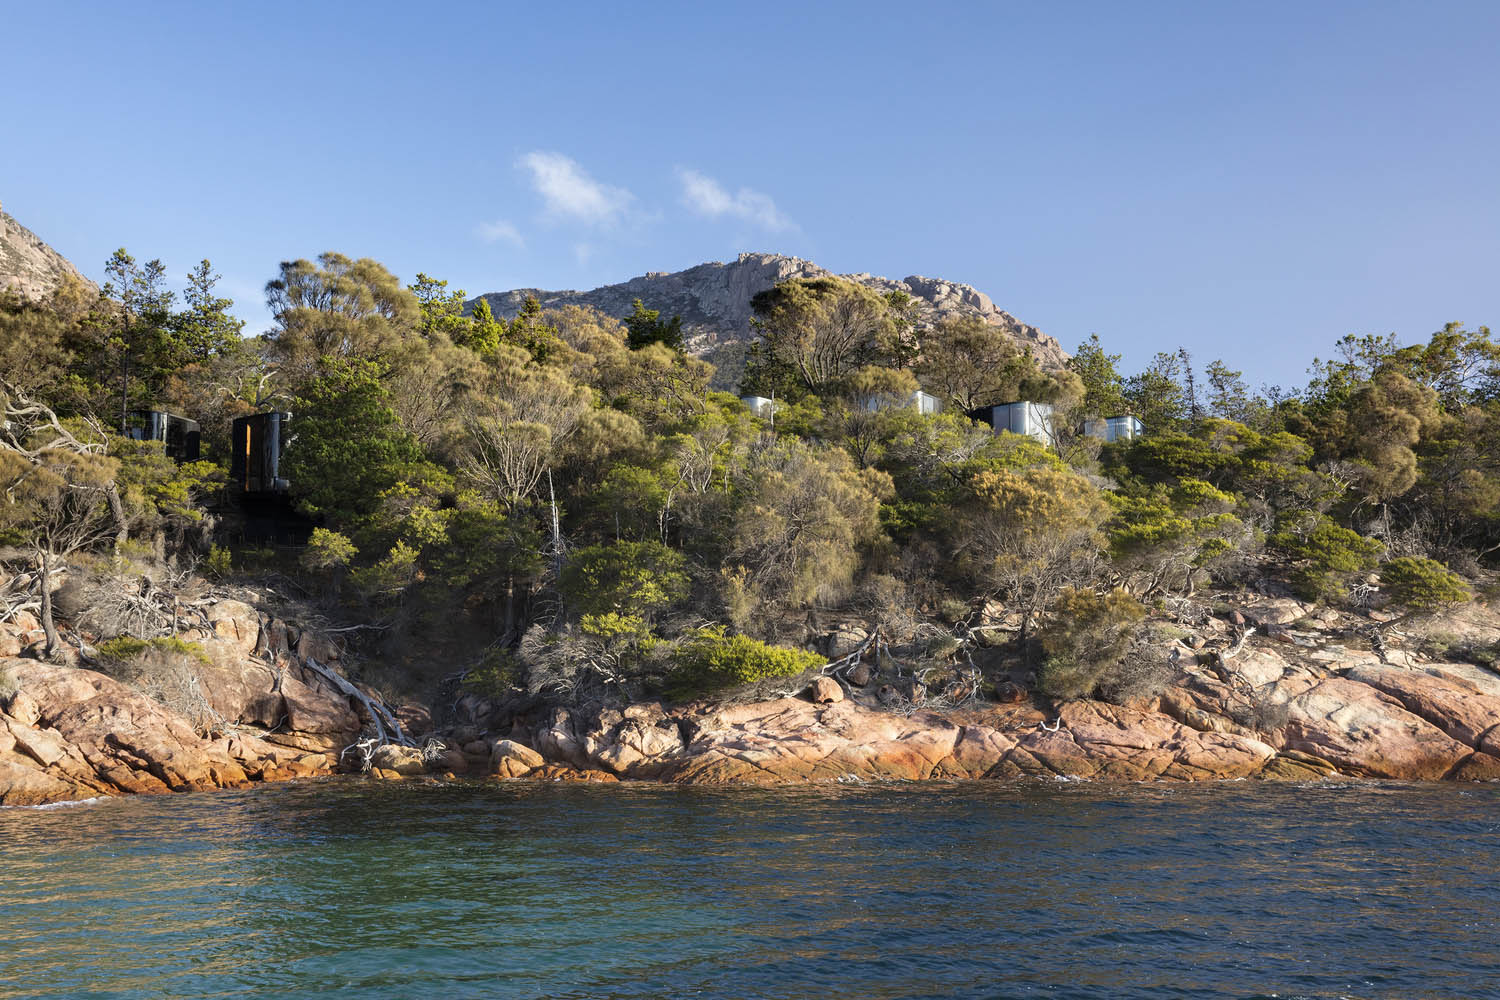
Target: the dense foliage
(569, 485)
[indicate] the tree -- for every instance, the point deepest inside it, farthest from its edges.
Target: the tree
(1085, 642)
(336, 308)
(39, 339)
(1027, 534)
(868, 412)
(349, 449)
(1103, 388)
(635, 579)
(514, 426)
(1383, 421)
(1156, 395)
(797, 533)
(531, 331)
(823, 329)
(1166, 533)
(441, 311)
(1189, 386)
(645, 326)
(1228, 396)
(143, 311)
(1422, 583)
(484, 332)
(58, 489)
(204, 329)
(660, 387)
(970, 363)
(1325, 556)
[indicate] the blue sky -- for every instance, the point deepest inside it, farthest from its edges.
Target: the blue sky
(1251, 181)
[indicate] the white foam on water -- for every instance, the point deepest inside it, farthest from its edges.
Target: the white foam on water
(63, 805)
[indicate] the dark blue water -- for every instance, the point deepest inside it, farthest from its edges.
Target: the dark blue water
(344, 889)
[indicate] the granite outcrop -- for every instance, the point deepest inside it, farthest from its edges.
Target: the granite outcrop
(713, 300)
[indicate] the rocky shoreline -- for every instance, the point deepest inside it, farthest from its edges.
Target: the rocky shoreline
(1290, 705)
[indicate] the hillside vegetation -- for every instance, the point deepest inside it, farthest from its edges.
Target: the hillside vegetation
(558, 504)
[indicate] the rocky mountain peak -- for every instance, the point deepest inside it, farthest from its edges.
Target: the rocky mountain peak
(713, 299)
(27, 264)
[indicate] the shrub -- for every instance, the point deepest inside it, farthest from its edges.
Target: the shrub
(709, 661)
(163, 669)
(217, 563)
(327, 551)
(628, 578)
(388, 579)
(1422, 583)
(1085, 643)
(495, 676)
(1326, 556)
(127, 648)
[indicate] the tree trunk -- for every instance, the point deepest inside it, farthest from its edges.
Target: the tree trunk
(510, 608)
(117, 509)
(54, 641)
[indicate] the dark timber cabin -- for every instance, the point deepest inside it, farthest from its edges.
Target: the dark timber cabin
(258, 443)
(179, 435)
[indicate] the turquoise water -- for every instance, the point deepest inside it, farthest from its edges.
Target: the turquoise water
(344, 889)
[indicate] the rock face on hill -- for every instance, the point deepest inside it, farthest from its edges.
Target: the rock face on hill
(28, 265)
(267, 708)
(713, 299)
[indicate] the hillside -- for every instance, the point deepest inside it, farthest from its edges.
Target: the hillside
(713, 300)
(29, 265)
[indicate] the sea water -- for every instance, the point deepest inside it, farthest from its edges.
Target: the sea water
(348, 888)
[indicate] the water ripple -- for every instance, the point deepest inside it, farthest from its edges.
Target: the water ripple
(345, 889)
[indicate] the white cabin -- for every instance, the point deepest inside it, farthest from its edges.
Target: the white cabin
(1035, 420)
(761, 406)
(923, 402)
(1110, 429)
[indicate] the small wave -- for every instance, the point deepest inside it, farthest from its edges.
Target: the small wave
(63, 805)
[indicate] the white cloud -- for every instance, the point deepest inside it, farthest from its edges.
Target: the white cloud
(707, 197)
(493, 232)
(569, 191)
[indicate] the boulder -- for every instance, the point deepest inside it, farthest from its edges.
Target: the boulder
(238, 688)
(1289, 765)
(405, 761)
(636, 747)
(316, 646)
(1009, 693)
(557, 741)
(1097, 740)
(23, 709)
(860, 675)
(316, 710)
(1457, 707)
(843, 641)
(1363, 731)
(24, 784)
(1477, 767)
(825, 691)
(510, 759)
(1275, 611)
(88, 734)
(561, 772)
(237, 623)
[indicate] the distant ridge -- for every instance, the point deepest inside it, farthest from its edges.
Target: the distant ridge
(713, 300)
(28, 265)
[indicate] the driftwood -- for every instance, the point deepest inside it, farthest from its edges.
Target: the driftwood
(387, 729)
